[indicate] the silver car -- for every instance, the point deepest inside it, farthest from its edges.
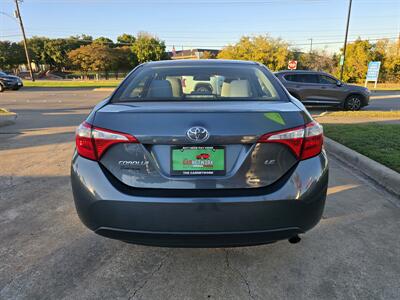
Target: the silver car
(232, 161)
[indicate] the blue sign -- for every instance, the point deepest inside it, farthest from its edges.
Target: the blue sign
(373, 70)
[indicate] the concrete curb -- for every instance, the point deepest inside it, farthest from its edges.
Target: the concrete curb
(384, 97)
(383, 176)
(7, 119)
(104, 89)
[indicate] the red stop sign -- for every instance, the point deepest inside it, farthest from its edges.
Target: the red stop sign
(292, 65)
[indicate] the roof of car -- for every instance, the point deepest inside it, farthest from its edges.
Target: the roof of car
(197, 62)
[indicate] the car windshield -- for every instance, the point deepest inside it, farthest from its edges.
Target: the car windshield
(2, 73)
(197, 83)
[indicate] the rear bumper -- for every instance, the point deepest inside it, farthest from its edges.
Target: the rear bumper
(291, 208)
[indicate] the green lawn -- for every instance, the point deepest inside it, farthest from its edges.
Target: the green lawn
(72, 83)
(380, 142)
(365, 114)
(383, 86)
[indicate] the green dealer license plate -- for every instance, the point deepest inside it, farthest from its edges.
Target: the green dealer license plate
(198, 160)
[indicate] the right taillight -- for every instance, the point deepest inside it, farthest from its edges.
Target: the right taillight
(305, 141)
(92, 142)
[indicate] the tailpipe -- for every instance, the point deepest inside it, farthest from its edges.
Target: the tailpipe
(294, 239)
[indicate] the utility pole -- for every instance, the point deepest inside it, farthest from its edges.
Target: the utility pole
(310, 45)
(345, 40)
(28, 60)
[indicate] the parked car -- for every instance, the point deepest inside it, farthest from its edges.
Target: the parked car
(9, 82)
(135, 176)
(319, 88)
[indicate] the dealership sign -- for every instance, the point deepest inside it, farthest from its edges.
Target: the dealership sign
(292, 65)
(373, 72)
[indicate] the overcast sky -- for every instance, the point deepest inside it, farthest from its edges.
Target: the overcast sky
(206, 24)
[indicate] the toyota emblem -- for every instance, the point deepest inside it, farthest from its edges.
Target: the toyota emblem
(197, 134)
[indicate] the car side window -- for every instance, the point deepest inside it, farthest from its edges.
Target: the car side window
(289, 77)
(309, 78)
(304, 78)
(293, 77)
(323, 79)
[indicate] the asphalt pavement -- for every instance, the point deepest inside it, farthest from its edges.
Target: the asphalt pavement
(46, 253)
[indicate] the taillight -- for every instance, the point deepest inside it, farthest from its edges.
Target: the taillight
(305, 141)
(313, 140)
(92, 142)
(83, 140)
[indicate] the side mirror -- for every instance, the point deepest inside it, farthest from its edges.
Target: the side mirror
(339, 83)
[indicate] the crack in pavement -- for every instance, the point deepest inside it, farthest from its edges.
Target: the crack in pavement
(228, 264)
(157, 269)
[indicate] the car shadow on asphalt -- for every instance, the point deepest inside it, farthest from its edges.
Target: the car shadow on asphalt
(45, 127)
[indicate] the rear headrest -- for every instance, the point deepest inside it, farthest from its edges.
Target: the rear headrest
(239, 88)
(176, 85)
(160, 89)
(226, 89)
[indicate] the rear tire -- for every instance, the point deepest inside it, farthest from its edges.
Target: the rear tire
(353, 103)
(1, 88)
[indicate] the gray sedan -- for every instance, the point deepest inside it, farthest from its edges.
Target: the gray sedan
(205, 153)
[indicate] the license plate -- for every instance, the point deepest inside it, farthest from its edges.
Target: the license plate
(198, 160)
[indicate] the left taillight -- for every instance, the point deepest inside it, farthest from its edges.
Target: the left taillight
(305, 141)
(92, 142)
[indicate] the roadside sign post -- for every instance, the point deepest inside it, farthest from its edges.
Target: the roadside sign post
(373, 72)
(292, 65)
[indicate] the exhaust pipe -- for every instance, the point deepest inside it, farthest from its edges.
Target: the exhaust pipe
(294, 239)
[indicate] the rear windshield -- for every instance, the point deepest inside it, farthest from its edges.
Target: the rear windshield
(197, 83)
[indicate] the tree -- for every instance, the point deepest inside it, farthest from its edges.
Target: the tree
(125, 59)
(388, 53)
(36, 47)
(358, 55)
(148, 48)
(208, 55)
(11, 55)
(104, 41)
(273, 53)
(126, 39)
(94, 57)
(317, 61)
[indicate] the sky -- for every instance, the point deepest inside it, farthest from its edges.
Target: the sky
(213, 24)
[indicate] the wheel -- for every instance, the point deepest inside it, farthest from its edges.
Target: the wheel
(1, 88)
(353, 103)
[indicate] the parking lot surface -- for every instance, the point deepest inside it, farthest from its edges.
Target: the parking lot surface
(46, 253)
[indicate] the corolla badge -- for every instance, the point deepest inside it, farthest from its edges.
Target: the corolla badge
(197, 134)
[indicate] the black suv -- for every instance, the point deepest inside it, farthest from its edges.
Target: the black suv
(319, 88)
(9, 82)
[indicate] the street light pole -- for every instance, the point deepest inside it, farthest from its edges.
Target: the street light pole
(345, 40)
(28, 60)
